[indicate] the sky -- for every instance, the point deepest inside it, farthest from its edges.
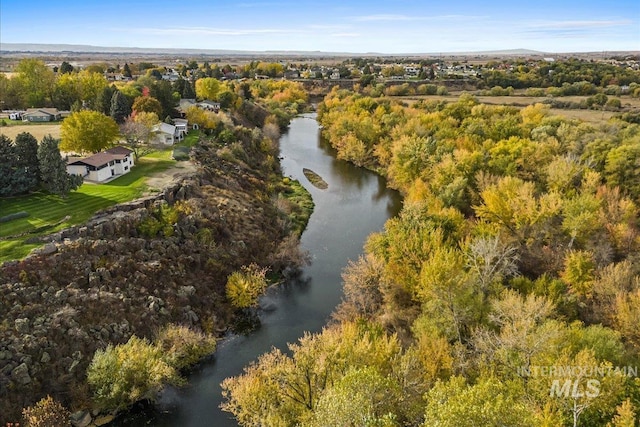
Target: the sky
(381, 26)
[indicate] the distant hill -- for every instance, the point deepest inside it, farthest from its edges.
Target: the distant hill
(78, 48)
(56, 49)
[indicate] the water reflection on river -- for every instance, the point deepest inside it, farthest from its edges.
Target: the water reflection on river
(355, 204)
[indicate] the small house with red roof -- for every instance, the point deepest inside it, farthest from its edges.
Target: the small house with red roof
(103, 166)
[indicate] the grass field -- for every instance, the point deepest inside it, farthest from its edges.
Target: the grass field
(49, 213)
(39, 131)
(592, 116)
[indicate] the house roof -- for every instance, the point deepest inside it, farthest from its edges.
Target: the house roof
(96, 160)
(41, 111)
(104, 157)
(119, 150)
(165, 128)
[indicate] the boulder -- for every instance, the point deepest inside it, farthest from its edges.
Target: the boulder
(80, 419)
(20, 374)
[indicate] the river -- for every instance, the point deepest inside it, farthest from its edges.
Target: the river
(355, 204)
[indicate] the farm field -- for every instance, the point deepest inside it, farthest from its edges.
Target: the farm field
(39, 131)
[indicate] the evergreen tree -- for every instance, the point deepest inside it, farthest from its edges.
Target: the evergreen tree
(65, 68)
(120, 107)
(126, 71)
(188, 92)
(13, 179)
(53, 168)
(104, 99)
(26, 150)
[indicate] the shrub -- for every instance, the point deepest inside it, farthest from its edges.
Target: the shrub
(245, 286)
(181, 153)
(46, 413)
(13, 216)
(184, 347)
(127, 373)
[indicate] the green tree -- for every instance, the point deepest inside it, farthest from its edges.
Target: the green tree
(126, 70)
(53, 168)
(120, 107)
(127, 373)
(245, 287)
(104, 99)
(87, 131)
(65, 68)
(38, 81)
(14, 176)
(26, 149)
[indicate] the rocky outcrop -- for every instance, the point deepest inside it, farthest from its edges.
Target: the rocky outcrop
(100, 283)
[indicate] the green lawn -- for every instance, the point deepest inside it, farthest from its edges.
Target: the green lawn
(46, 211)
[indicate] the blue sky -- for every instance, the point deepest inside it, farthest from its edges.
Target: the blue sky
(385, 26)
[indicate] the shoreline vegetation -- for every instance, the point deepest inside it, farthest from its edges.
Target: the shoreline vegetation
(315, 179)
(508, 252)
(516, 246)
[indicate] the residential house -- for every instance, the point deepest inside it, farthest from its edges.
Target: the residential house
(292, 74)
(209, 105)
(42, 115)
(166, 134)
(182, 126)
(102, 166)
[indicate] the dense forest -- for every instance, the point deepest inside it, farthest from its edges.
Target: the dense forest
(505, 293)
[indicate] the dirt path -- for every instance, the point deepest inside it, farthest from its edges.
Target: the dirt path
(163, 179)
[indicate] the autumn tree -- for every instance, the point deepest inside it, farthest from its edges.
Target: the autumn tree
(87, 131)
(123, 374)
(207, 88)
(147, 104)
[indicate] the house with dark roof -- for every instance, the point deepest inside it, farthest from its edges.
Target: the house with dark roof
(103, 166)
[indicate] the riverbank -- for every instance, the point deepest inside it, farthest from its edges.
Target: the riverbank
(138, 267)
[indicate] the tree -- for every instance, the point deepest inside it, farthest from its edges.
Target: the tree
(120, 107)
(129, 372)
(489, 403)
(14, 177)
(138, 131)
(126, 70)
(91, 86)
(207, 88)
(87, 131)
(65, 68)
(26, 149)
(53, 168)
(104, 100)
(245, 286)
(147, 104)
(37, 80)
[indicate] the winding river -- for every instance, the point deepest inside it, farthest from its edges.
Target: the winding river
(355, 204)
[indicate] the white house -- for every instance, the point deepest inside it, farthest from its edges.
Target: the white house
(166, 134)
(209, 105)
(181, 126)
(103, 166)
